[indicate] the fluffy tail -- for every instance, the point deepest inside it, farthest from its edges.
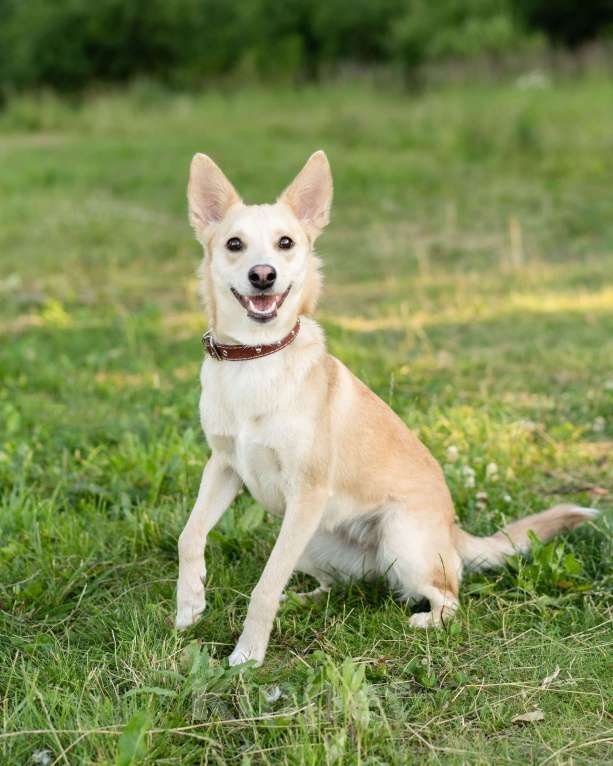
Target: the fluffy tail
(490, 552)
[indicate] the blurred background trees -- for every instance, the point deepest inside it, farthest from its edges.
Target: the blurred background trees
(70, 44)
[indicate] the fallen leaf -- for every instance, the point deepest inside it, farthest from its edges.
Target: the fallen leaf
(599, 491)
(548, 679)
(132, 744)
(533, 715)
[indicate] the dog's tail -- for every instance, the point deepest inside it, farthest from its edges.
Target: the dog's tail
(489, 552)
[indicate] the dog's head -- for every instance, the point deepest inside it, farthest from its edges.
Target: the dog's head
(259, 270)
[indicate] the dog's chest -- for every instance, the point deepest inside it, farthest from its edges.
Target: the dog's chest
(259, 466)
(245, 415)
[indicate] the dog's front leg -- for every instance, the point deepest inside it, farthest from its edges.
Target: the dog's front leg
(301, 519)
(218, 488)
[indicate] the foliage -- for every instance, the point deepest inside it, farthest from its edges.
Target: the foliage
(562, 20)
(550, 567)
(235, 530)
(496, 352)
(70, 44)
(451, 30)
(131, 746)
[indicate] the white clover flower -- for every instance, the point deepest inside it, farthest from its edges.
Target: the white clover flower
(507, 498)
(481, 500)
(469, 476)
(273, 695)
(535, 79)
(491, 471)
(527, 425)
(599, 424)
(453, 453)
(41, 757)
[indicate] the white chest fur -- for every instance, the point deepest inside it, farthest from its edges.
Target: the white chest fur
(250, 412)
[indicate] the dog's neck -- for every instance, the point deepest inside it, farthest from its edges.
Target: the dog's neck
(241, 353)
(304, 350)
(249, 333)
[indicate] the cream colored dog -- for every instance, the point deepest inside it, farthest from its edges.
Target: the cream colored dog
(358, 492)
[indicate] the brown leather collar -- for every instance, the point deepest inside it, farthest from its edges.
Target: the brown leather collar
(229, 353)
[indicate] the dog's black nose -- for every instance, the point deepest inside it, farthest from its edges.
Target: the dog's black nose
(262, 276)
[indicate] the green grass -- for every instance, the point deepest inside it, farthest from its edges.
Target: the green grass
(468, 271)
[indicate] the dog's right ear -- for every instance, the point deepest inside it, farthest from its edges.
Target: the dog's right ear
(209, 193)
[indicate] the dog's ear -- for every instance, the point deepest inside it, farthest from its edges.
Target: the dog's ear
(209, 193)
(310, 194)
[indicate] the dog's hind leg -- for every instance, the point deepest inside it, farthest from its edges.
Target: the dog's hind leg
(417, 555)
(308, 566)
(330, 557)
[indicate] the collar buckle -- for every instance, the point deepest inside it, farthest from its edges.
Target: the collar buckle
(210, 345)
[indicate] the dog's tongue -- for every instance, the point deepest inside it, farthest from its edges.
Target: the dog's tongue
(263, 303)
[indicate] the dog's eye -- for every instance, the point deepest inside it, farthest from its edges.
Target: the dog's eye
(286, 243)
(234, 244)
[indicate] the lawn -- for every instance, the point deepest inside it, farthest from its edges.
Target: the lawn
(468, 282)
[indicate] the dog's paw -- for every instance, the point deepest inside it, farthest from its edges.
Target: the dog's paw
(190, 605)
(424, 620)
(244, 651)
(188, 615)
(438, 619)
(306, 597)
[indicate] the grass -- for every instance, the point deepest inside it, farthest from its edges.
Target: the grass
(468, 274)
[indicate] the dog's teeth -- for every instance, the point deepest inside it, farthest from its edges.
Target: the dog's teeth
(254, 308)
(264, 312)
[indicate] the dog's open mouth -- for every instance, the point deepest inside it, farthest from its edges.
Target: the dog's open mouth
(261, 307)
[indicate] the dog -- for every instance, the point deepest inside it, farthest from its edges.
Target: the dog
(358, 493)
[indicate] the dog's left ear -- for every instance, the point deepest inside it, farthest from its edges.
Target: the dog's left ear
(310, 194)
